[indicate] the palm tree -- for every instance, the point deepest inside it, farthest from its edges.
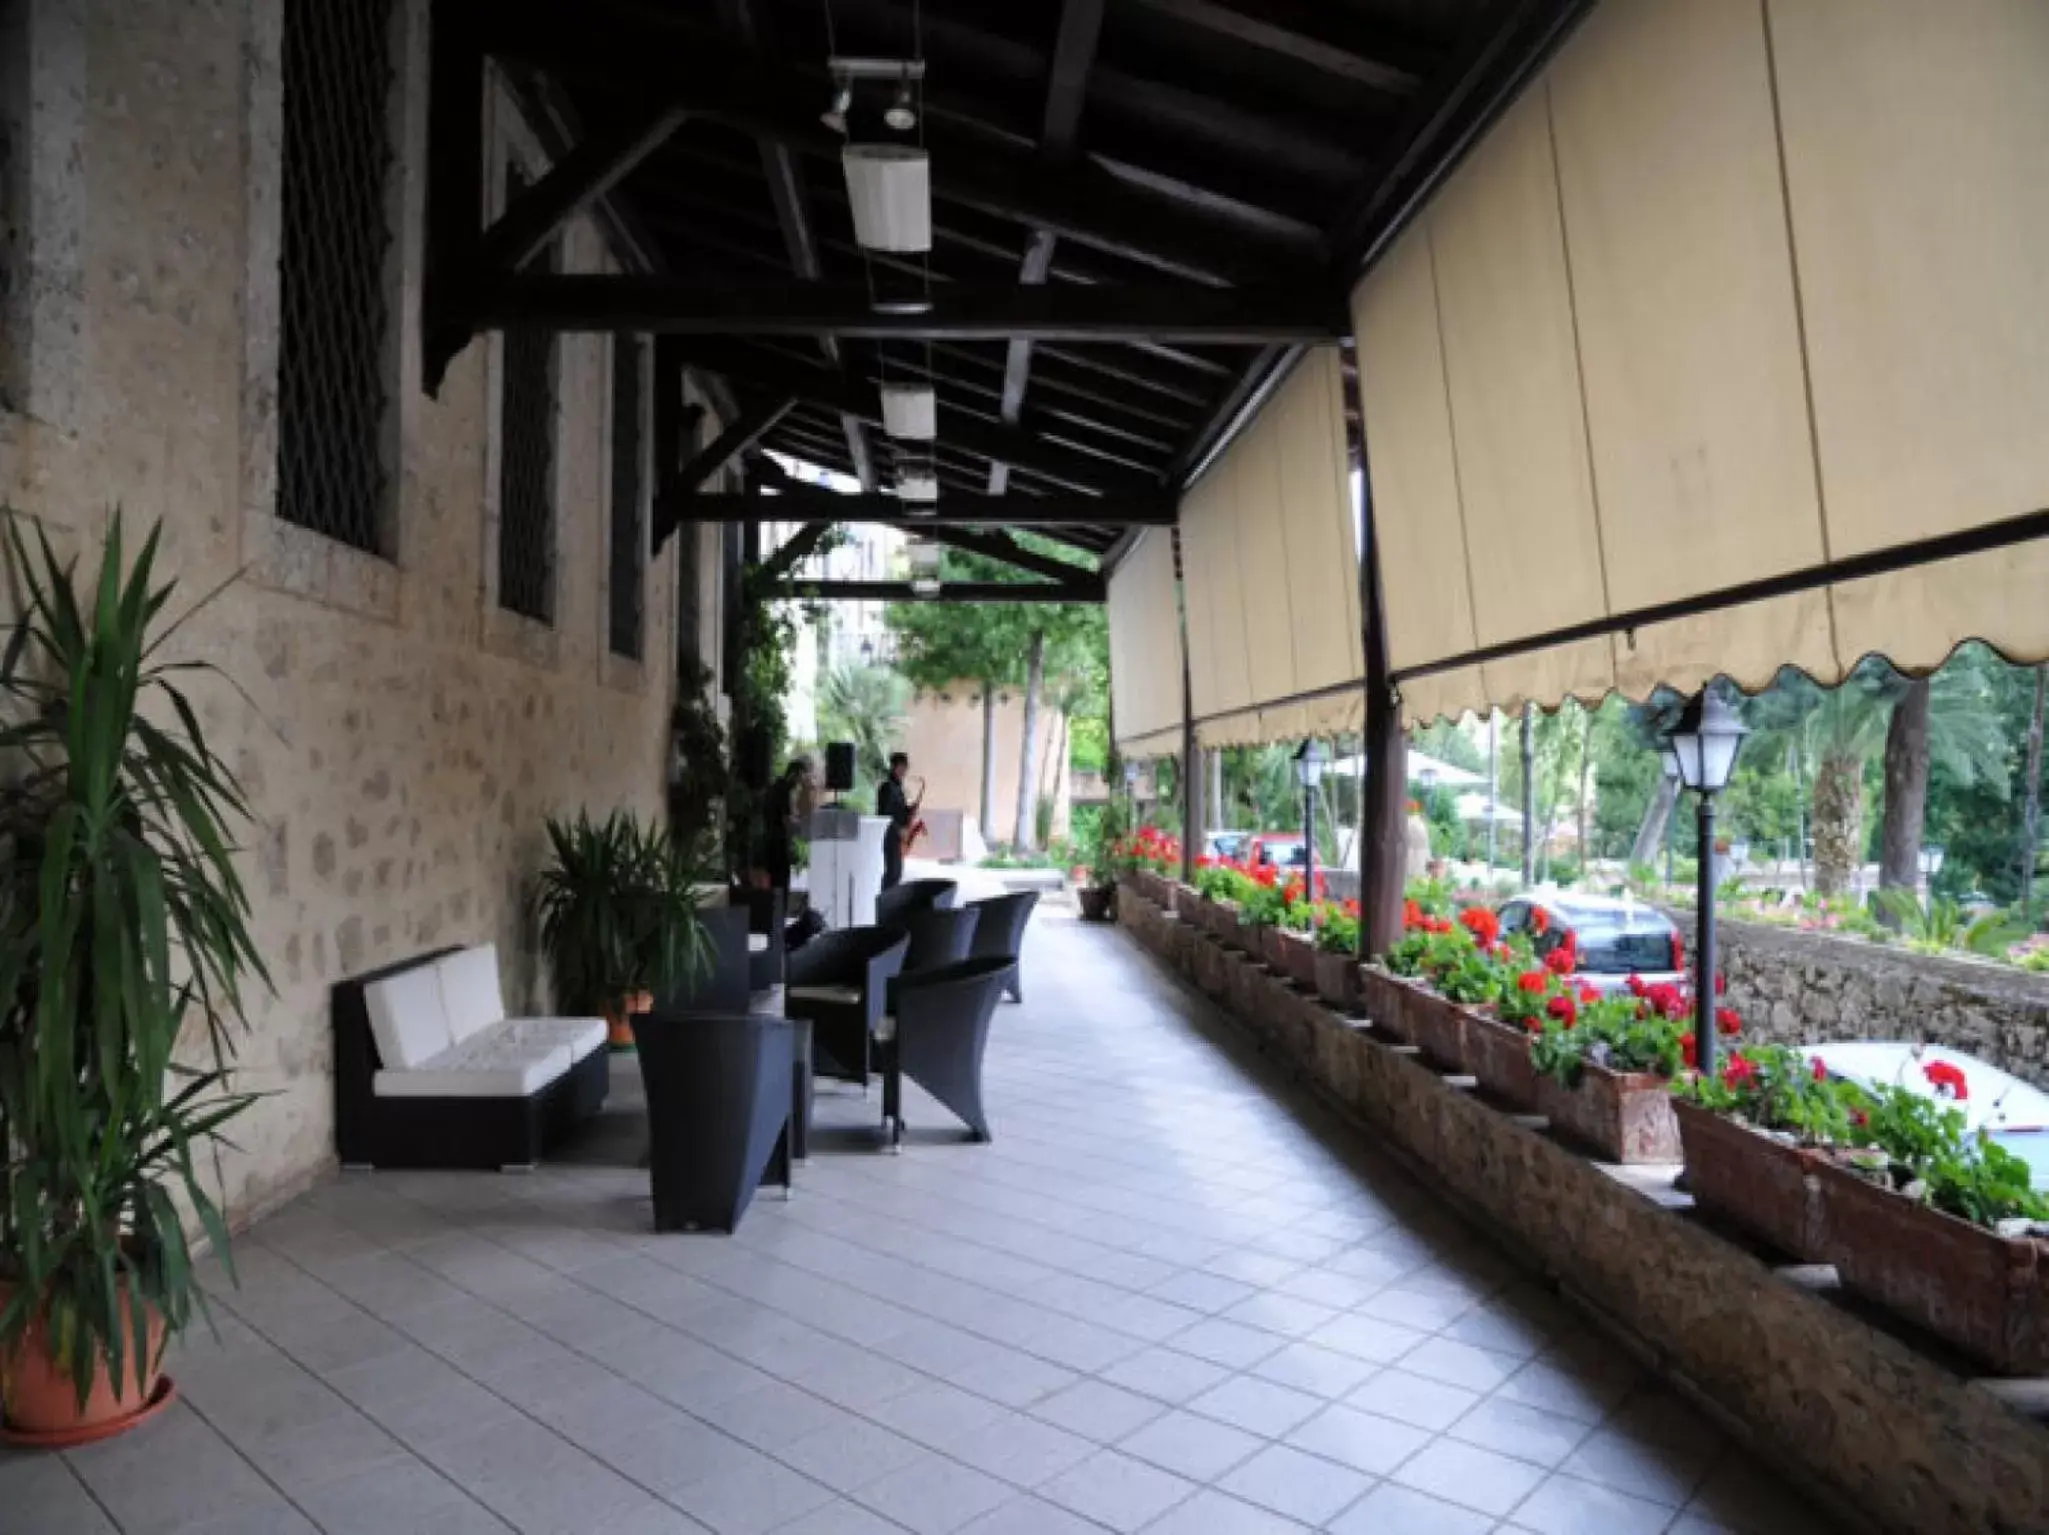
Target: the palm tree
(1948, 719)
(864, 705)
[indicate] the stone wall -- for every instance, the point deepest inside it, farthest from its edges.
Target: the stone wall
(1794, 987)
(401, 737)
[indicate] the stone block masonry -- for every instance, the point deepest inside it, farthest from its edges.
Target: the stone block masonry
(1796, 987)
(400, 744)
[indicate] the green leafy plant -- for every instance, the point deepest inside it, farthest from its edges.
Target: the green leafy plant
(1339, 930)
(122, 919)
(1781, 1090)
(617, 907)
(1921, 1148)
(1941, 926)
(697, 747)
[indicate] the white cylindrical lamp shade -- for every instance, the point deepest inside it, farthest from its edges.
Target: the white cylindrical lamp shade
(890, 189)
(910, 412)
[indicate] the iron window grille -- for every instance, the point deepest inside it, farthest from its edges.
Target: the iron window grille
(629, 523)
(526, 457)
(334, 304)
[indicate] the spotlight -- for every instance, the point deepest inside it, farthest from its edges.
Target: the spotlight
(901, 115)
(835, 116)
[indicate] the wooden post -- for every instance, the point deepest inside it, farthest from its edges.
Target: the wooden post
(1193, 808)
(455, 179)
(1383, 795)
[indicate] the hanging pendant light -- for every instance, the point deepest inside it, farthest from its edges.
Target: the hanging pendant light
(918, 489)
(902, 115)
(890, 189)
(910, 412)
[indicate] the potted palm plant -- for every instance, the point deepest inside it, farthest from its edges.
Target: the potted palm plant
(123, 931)
(617, 905)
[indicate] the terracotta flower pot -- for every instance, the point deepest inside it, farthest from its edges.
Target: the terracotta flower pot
(1987, 1294)
(38, 1398)
(1384, 998)
(619, 1018)
(1498, 1056)
(1297, 958)
(1337, 980)
(1763, 1185)
(1437, 1027)
(1623, 1116)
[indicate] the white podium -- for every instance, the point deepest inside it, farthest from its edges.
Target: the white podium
(846, 865)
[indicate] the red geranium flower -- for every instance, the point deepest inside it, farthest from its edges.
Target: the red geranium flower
(1857, 1116)
(1532, 981)
(1721, 985)
(1820, 1071)
(1564, 1009)
(1635, 984)
(1412, 915)
(1678, 952)
(1588, 995)
(1689, 1049)
(1481, 923)
(1740, 1071)
(1351, 909)
(1540, 920)
(1561, 960)
(1728, 1020)
(1947, 1079)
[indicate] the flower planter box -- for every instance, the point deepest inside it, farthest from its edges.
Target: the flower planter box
(1498, 1056)
(1245, 937)
(1296, 957)
(1766, 1186)
(1383, 997)
(1623, 1116)
(1437, 1027)
(1337, 980)
(1187, 902)
(1987, 1294)
(1270, 949)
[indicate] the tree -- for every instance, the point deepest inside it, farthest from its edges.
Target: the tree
(1028, 751)
(864, 705)
(2031, 833)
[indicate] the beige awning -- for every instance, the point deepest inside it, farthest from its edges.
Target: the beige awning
(1146, 690)
(1270, 561)
(1709, 308)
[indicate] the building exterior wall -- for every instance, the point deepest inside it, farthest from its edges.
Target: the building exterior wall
(400, 737)
(943, 735)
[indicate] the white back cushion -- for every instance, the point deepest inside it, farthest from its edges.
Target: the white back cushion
(469, 990)
(406, 1018)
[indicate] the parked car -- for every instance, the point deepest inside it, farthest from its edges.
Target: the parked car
(2007, 1109)
(1617, 937)
(1227, 846)
(1282, 849)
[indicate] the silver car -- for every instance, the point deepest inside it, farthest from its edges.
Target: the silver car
(1616, 936)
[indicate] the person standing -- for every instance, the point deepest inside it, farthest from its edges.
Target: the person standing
(786, 812)
(891, 802)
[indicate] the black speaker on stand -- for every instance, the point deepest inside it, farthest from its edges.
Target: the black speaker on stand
(839, 766)
(755, 767)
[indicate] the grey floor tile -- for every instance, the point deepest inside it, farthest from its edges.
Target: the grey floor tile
(1315, 1369)
(1392, 1510)
(1230, 1344)
(1367, 1337)
(1195, 1447)
(174, 1471)
(1115, 1490)
(1289, 1315)
(1203, 1291)
(746, 1493)
(1097, 1410)
(848, 1454)
(1030, 1516)
(42, 1496)
(1742, 1496)
(1358, 1439)
(1527, 1433)
(1298, 1485)
(1469, 1475)
(1555, 1387)
(1022, 1451)
(1431, 1404)
(1663, 1473)
(1459, 1364)
(1258, 1406)
(840, 1517)
(934, 1496)
(302, 1459)
(937, 1414)
(408, 1499)
(1165, 1374)
(1211, 1512)
(1565, 1505)
(536, 1481)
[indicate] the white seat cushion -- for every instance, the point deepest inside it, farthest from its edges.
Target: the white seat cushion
(581, 1036)
(484, 1066)
(469, 990)
(757, 943)
(849, 995)
(406, 1018)
(885, 1027)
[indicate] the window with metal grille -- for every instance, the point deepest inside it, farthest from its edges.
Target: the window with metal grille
(334, 302)
(526, 457)
(629, 526)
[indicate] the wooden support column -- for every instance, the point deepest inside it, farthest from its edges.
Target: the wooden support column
(1383, 794)
(455, 177)
(1192, 785)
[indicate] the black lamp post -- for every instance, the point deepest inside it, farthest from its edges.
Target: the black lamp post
(1704, 744)
(1310, 758)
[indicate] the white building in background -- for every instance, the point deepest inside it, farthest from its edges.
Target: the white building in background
(846, 633)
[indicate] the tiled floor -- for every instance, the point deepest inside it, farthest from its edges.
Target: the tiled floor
(1161, 1301)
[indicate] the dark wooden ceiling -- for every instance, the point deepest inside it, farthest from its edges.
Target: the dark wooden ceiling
(1155, 144)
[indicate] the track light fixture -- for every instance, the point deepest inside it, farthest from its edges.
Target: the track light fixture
(902, 115)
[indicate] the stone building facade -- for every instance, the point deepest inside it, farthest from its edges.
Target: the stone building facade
(400, 733)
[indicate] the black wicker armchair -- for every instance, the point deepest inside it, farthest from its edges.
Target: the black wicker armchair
(1000, 933)
(898, 902)
(839, 981)
(718, 1110)
(768, 914)
(937, 1036)
(722, 987)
